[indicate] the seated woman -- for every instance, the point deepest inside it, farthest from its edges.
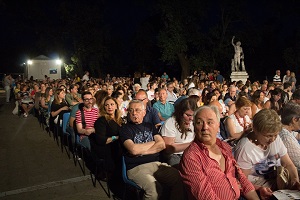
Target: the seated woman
(257, 102)
(58, 107)
(274, 101)
(290, 120)
(103, 142)
(25, 100)
(239, 122)
(45, 103)
(178, 131)
(260, 150)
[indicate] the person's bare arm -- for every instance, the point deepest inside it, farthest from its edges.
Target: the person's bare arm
(145, 148)
(287, 163)
(264, 192)
(172, 147)
(83, 131)
(229, 124)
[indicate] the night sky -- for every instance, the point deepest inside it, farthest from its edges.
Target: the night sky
(26, 25)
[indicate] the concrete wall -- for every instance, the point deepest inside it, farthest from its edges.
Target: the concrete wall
(39, 68)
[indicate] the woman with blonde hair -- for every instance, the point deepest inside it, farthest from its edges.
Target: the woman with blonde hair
(261, 150)
(103, 142)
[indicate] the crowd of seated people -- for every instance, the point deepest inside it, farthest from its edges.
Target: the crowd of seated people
(170, 120)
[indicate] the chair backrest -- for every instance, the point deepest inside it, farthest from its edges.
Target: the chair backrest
(124, 175)
(65, 122)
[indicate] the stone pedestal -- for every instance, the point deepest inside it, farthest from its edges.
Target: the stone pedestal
(240, 75)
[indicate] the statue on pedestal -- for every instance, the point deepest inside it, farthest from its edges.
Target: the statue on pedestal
(238, 59)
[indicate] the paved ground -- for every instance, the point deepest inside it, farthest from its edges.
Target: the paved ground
(32, 166)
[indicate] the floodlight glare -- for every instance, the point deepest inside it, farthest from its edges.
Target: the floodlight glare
(29, 62)
(58, 62)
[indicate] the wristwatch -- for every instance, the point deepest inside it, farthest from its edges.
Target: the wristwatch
(113, 138)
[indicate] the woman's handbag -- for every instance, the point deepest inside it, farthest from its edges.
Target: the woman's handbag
(282, 178)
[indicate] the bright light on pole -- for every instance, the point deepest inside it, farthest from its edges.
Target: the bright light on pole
(29, 62)
(58, 62)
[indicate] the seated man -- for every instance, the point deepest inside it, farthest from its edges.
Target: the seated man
(207, 166)
(164, 108)
(142, 145)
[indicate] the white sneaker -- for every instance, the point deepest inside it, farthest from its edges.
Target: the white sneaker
(25, 115)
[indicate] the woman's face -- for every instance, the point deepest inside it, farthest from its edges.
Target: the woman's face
(266, 139)
(62, 94)
(244, 110)
(119, 100)
(276, 97)
(217, 93)
(50, 92)
(261, 97)
(188, 118)
(110, 107)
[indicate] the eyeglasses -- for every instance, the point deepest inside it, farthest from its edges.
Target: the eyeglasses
(188, 115)
(86, 100)
(137, 110)
(140, 99)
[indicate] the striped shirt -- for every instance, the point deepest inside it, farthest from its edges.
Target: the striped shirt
(204, 178)
(89, 116)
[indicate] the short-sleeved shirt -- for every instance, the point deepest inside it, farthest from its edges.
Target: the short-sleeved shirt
(138, 133)
(89, 116)
(276, 79)
(250, 156)
(70, 98)
(169, 129)
(166, 110)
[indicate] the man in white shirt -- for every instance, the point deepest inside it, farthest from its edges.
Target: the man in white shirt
(86, 76)
(172, 97)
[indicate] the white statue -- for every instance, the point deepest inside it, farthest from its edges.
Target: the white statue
(238, 56)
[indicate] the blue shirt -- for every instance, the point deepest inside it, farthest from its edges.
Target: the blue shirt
(166, 110)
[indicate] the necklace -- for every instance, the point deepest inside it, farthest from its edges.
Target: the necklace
(241, 124)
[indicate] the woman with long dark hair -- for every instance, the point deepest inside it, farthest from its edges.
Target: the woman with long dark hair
(178, 131)
(58, 107)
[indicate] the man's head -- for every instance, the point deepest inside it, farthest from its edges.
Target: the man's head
(137, 111)
(170, 86)
(73, 89)
(206, 124)
(232, 91)
(288, 72)
(162, 94)
(88, 100)
(141, 95)
(278, 72)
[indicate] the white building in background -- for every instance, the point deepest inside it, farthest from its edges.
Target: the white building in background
(41, 66)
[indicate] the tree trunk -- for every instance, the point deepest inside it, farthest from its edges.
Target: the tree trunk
(185, 65)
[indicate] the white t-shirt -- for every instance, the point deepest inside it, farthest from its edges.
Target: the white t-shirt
(144, 81)
(250, 156)
(150, 95)
(169, 130)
